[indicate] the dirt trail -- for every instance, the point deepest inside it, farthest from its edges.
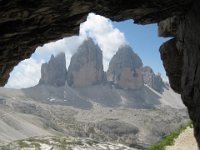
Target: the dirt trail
(185, 141)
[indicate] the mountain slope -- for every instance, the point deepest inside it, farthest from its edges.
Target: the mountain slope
(89, 114)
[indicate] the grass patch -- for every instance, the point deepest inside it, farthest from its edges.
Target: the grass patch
(42, 141)
(36, 145)
(4, 148)
(169, 140)
(23, 144)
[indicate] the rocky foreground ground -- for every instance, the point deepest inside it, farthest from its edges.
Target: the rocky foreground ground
(63, 143)
(23, 117)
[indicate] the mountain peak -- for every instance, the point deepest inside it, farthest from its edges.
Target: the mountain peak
(125, 69)
(54, 72)
(52, 57)
(86, 66)
(152, 80)
(127, 58)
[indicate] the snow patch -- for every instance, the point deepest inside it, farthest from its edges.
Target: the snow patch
(51, 99)
(45, 147)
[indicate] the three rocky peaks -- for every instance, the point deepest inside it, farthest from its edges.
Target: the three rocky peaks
(125, 69)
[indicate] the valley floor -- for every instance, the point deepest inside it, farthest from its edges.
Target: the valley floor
(136, 118)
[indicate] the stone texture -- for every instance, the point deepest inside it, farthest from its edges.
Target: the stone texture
(168, 27)
(125, 69)
(189, 42)
(172, 61)
(152, 80)
(25, 25)
(54, 72)
(86, 66)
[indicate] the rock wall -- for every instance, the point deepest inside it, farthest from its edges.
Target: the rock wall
(152, 80)
(54, 72)
(189, 43)
(86, 66)
(125, 69)
(181, 57)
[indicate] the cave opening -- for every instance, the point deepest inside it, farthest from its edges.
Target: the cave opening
(109, 36)
(26, 25)
(106, 84)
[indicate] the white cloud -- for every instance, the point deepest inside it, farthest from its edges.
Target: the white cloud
(67, 45)
(102, 31)
(27, 73)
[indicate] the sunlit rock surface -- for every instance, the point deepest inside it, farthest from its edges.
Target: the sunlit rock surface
(86, 66)
(125, 69)
(153, 80)
(54, 72)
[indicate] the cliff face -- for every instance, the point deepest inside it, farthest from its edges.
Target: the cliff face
(86, 69)
(86, 66)
(180, 57)
(152, 80)
(125, 69)
(54, 72)
(189, 44)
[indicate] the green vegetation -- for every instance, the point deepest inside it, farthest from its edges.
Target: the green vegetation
(169, 140)
(4, 148)
(22, 144)
(34, 140)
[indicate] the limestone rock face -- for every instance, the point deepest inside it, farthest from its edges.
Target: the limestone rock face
(173, 61)
(125, 69)
(152, 80)
(189, 44)
(86, 66)
(54, 72)
(168, 27)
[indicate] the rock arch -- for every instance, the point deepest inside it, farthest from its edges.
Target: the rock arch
(25, 25)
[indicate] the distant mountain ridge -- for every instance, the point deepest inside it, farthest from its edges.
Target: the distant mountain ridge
(125, 70)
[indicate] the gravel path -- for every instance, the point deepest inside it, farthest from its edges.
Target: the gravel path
(185, 141)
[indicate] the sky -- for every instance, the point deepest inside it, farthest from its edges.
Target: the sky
(108, 35)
